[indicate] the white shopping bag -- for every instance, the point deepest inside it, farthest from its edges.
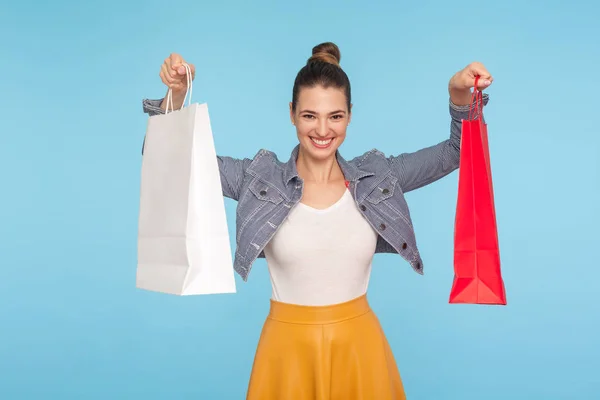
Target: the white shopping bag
(183, 240)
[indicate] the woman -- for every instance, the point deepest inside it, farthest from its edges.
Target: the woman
(318, 220)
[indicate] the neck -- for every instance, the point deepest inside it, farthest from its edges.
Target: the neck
(318, 171)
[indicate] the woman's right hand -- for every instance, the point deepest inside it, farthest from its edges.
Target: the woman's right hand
(173, 75)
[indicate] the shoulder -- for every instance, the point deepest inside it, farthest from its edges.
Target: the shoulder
(265, 163)
(368, 156)
(373, 160)
(268, 157)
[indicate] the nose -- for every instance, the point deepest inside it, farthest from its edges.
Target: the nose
(322, 128)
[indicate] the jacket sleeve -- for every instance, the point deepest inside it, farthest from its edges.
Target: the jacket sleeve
(232, 170)
(427, 165)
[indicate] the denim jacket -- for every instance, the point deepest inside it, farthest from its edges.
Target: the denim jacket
(266, 189)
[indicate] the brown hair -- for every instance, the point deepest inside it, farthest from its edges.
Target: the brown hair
(322, 68)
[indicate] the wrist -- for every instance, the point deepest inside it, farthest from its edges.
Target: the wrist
(176, 97)
(460, 96)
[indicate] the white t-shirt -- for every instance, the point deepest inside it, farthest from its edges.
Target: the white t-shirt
(321, 257)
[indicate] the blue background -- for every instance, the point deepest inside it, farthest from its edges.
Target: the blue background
(72, 323)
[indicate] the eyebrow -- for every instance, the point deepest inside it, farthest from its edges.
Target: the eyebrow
(331, 113)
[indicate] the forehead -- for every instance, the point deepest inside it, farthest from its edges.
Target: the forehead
(322, 100)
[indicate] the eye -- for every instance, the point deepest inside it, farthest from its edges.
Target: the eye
(308, 116)
(337, 116)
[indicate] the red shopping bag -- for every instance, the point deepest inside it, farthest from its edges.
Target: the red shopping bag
(477, 274)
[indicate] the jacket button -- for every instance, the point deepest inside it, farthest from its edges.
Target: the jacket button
(385, 191)
(263, 192)
(362, 207)
(382, 227)
(404, 246)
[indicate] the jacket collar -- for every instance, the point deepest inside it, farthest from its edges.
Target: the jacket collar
(350, 171)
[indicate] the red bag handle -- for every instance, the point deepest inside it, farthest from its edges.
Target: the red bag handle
(477, 97)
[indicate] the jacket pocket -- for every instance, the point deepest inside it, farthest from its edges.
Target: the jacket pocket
(383, 197)
(256, 206)
(264, 192)
(260, 204)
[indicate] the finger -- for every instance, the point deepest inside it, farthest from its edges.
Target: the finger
(163, 78)
(171, 65)
(172, 81)
(175, 86)
(477, 68)
(481, 71)
(485, 79)
(175, 62)
(169, 76)
(177, 73)
(181, 70)
(176, 65)
(175, 59)
(483, 84)
(168, 81)
(483, 75)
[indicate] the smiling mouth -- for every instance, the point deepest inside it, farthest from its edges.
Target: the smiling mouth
(322, 144)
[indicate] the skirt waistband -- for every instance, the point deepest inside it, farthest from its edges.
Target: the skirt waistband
(301, 314)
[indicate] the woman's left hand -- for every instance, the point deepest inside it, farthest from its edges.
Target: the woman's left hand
(461, 83)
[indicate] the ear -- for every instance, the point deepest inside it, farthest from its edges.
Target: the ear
(350, 114)
(292, 115)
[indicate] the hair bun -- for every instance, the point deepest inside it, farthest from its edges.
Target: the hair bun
(326, 52)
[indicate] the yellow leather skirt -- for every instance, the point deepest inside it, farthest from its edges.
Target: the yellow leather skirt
(324, 353)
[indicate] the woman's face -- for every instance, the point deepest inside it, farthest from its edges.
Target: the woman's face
(321, 118)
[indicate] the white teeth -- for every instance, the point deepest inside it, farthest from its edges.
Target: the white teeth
(322, 142)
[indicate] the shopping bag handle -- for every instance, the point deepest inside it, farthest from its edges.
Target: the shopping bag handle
(188, 75)
(476, 98)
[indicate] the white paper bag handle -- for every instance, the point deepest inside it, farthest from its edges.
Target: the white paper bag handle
(188, 75)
